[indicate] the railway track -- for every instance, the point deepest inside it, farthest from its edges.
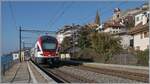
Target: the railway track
(71, 78)
(55, 77)
(62, 76)
(84, 74)
(141, 77)
(124, 74)
(65, 77)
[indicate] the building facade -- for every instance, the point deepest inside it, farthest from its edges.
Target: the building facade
(114, 27)
(126, 39)
(121, 25)
(67, 31)
(141, 18)
(140, 32)
(15, 55)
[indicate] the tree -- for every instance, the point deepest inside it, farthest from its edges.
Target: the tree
(105, 44)
(66, 44)
(84, 41)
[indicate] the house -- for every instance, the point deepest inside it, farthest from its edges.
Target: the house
(116, 24)
(67, 31)
(140, 31)
(92, 26)
(126, 39)
(100, 28)
(64, 32)
(15, 55)
(72, 32)
(121, 22)
(114, 27)
(119, 25)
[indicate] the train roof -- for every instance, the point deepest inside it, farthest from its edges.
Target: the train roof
(46, 36)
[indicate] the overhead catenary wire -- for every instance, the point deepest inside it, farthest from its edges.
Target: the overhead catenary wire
(104, 11)
(111, 8)
(61, 14)
(13, 15)
(91, 15)
(38, 31)
(57, 12)
(33, 31)
(85, 18)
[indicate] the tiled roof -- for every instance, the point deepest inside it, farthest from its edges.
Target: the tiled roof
(113, 24)
(121, 33)
(141, 11)
(139, 28)
(92, 25)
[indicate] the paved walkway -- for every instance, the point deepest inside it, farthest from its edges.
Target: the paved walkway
(19, 73)
(26, 72)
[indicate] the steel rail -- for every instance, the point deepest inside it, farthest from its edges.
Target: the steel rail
(51, 74)
(124, 74)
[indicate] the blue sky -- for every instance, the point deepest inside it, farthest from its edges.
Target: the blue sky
(51, 16)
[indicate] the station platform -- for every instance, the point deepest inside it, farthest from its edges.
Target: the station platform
(25, 72)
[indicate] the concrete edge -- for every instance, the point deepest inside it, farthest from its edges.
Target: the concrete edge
(50, 80)
(113, 65)
(31, 74)
(118, 66)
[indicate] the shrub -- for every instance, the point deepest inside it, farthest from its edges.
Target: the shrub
(87, 54)
(143, 57)
(84, 41)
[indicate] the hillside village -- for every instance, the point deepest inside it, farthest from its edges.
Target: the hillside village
(99, 42)
(130, 25)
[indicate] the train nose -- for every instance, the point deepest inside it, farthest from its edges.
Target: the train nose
(49, 54)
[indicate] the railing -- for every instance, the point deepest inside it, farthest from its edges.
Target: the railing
(6, 63)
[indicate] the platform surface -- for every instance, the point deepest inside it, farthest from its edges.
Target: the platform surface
(19, 73)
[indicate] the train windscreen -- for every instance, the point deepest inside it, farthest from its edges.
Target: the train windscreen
(49, 43)
(49, 46)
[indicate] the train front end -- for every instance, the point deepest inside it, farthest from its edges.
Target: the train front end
(46, 50)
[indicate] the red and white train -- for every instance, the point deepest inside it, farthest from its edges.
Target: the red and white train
(45, 50)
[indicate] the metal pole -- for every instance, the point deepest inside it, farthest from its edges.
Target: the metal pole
(23, 45)
(20, 43)
(73, 41)
(23, 48)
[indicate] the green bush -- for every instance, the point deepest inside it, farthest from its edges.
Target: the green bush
(84, 40)
(105, 44)
(143, 57)
(87, 54)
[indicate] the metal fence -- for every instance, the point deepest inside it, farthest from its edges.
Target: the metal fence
(6, 63)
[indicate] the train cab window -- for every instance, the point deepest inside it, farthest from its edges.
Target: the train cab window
(49, 46)
(49, 43)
